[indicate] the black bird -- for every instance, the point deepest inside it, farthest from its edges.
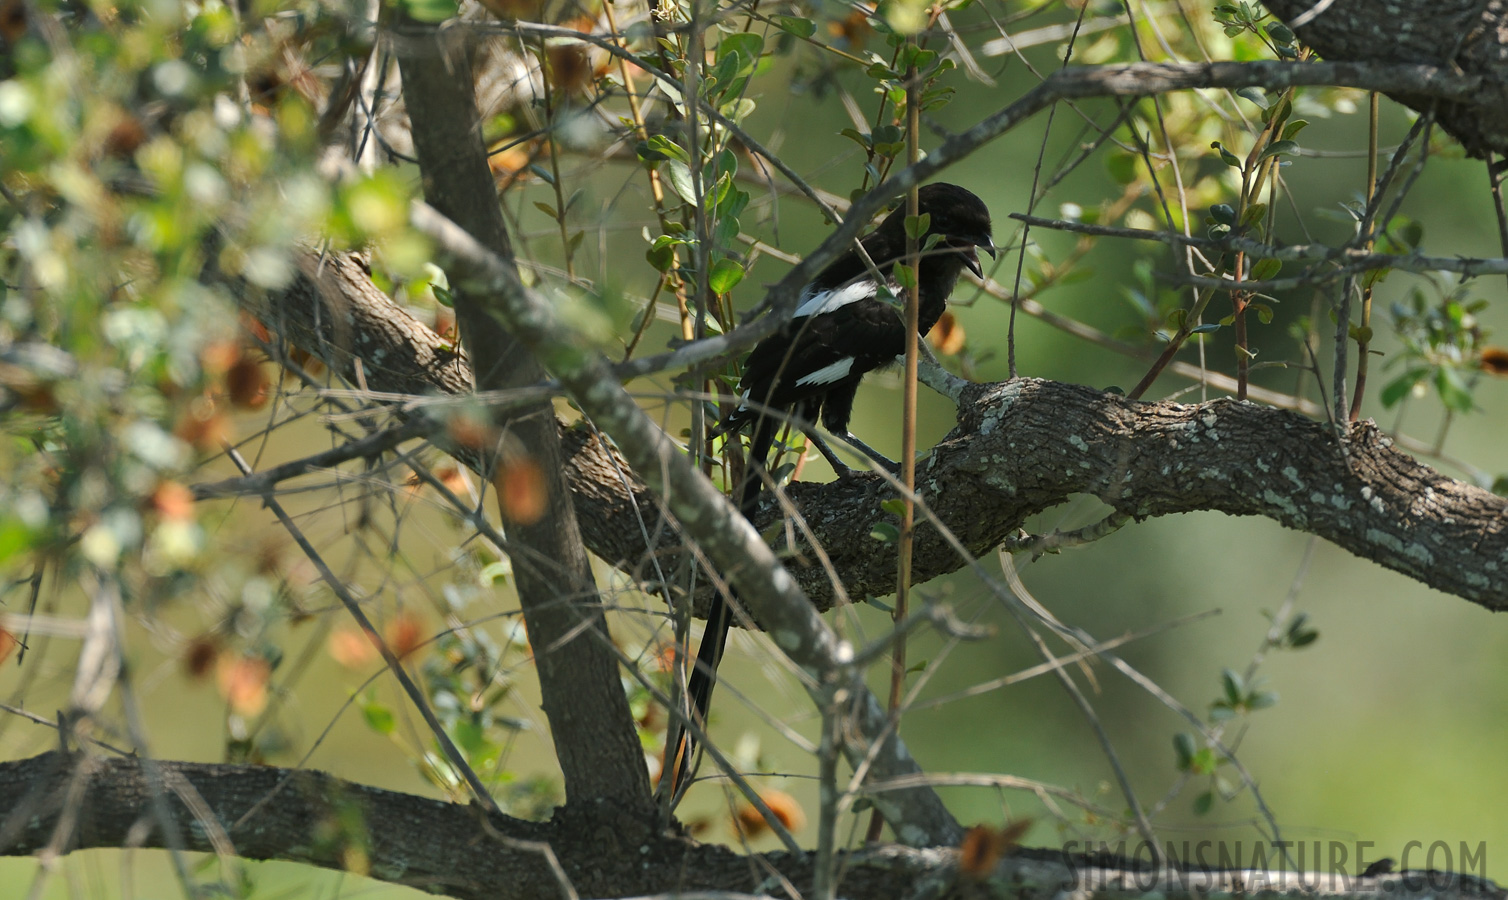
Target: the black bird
(811, 368)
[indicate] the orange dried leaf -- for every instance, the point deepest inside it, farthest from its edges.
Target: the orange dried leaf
(247, 383)
(1495, 360)
(522, 491)
(947, 335)
(200, 656)
(983, 846)
(243, 683)
(173, 501)
(256, 328)
(469, 432)
(217, 357)
(570, 69)
(8, 644)
(404, 635)
(751, 823)
(203, 425)
(351, 648)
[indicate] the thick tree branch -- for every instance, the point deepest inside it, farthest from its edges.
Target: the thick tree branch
(1458, 527)
(1465, 36)
(269, 813)
(590, 722)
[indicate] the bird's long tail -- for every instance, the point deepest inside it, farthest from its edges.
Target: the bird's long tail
(719, 614)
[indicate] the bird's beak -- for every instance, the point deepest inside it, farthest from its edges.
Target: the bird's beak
(971, 256)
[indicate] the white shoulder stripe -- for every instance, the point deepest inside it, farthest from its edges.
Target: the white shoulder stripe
(828, 374)
(827, 301)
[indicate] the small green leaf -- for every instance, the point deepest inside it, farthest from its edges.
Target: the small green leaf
(1264, 269)
(1293, 128)
(1255, 95)
(802, 28)
(1279, 147)
(1206, 328)
(1452, 390)
(1234, 687)
(1226, 156)
(916, 226)
(905, 276)
(546, 208)
(443, 296)
(430, 11)
(1183, 748)
(885, 533)
(664, 148)
(725, 275)
(378, 717)
(679, 176)
(1261, 700)
(895, 506)
(1204, 803)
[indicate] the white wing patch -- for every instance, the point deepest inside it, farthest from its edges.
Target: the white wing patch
(827, 301)
(828, 374)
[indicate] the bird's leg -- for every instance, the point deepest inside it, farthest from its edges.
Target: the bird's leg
(839, 466)
(893, 468)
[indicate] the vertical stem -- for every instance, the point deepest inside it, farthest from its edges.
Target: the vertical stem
(824, 876)
(560, 210)
(908, 414)
(1364, 339)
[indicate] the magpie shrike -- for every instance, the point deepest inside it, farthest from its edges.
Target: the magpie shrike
(843, 328)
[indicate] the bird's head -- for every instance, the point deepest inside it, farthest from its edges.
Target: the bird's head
(958, 216)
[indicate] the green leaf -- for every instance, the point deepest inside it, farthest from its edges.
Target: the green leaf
(664, 148)
(443, 296)
(546, 208)
(885, 532)
(1278, 147)
(1184, 747)
(1264, 269)
(378, 717)
(1231, 681)
(1293, 128)
(1204, 803)
(430, 11)
(679, 176)
(1255, 95)
(1452, 390)
(1206, 328)
(1261, 700)
(916, 226)
(1122, 167)
(895, 506)
(905, 276)
(802, 28)
(1226, 156)
(725, 275)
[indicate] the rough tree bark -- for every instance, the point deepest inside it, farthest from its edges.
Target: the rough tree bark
(1470, 36)
(1019, 450)
(590, 722)
(262, 812)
